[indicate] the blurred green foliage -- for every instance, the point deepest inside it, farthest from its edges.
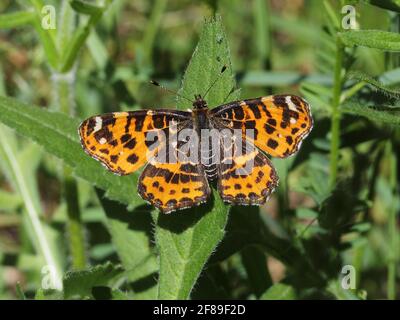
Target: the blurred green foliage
(72, 230)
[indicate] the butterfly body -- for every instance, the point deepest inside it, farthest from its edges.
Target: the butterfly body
(208, 151)
(183, 150)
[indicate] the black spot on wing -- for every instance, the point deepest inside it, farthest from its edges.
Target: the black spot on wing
(272, 143)
(114, 158)
(125, 137)
(269, 129)
(130, 144)
(133, 158)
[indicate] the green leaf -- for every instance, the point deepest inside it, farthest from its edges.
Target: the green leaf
(57, 133)
(246, 227)
(65, 29)
(17, 19)
(255, 262)
(279, 291)
(80, 283)
(383, 40)
(384, 114)
(77, 41)
(131, 233)
(335, 287)
(97, 50)
(377, 85)
(42, 294)
(392, 5)
(85, 8)
(210, 55)
(185, 240)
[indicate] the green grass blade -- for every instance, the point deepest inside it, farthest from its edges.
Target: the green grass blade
(262, 38)
(17, 19)
(279, 291)
(151, 30)
(17, 173)
(186, 239)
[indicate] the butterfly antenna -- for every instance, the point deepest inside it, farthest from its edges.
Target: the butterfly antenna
(215, 81)
(169, 90)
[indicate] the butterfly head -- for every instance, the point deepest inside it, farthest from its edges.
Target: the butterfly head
(199, 102)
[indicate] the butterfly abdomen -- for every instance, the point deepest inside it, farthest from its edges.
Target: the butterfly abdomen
(209, 162)
(208, 145)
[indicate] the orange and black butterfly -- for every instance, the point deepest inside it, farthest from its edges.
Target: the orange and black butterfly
(275, 125)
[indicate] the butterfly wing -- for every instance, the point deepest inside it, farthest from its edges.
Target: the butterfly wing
(124, 141)
(173, 186)
(277, 124)
(245, 175)
(178, 183)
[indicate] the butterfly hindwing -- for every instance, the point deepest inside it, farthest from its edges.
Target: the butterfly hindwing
(277, 124)
(120, 140)
(173, 186)
(245, 175)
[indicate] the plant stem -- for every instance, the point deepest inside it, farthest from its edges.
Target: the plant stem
(336, 114)
(65, 102)
(151, 30)
(33, 211)
(76, 232)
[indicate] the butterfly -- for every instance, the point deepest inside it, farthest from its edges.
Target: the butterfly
(177, 171)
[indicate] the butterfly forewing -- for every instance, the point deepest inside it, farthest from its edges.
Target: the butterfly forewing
(120, 140)
(277, 124)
